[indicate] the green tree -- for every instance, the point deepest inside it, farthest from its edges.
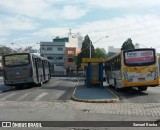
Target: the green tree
(85, 51)
(128, 45)
(100, 53)
(78, 60)
(4, 50)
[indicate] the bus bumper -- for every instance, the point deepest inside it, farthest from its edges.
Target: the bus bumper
(146, 83)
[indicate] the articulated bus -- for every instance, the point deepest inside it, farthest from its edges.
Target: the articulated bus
(133, 68)
(25, 68)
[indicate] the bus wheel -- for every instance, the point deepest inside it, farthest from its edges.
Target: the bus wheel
(18, 87)
(40, 84)
(108, 80)
(118, 89)
(142, 88)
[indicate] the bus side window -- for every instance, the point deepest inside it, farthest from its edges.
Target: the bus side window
(115, 68)
(159, 64)
(34, 61)
(119, 63)
(112, 65)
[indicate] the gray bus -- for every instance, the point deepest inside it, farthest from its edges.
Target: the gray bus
(25, 68)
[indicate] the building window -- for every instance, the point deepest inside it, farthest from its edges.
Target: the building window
(59, 58)
(70, 59)
(60, 48)
(43, 48)
(49, 58)
(70, 52)
(49, 48)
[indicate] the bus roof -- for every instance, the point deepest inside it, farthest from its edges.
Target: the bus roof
(112, 57)
(139, 49)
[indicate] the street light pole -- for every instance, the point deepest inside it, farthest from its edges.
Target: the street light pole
(90, 54)
(94, 43)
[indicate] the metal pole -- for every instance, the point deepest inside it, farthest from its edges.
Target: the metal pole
(90, 50)
(95, 42)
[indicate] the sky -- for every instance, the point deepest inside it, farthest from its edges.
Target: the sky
(28, 22)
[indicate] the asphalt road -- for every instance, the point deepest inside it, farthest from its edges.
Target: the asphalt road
(62, 89)
(51, 102)
(56, 89)
(132, 95)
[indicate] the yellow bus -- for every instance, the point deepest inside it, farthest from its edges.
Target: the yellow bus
(158, 59)
(133, 68)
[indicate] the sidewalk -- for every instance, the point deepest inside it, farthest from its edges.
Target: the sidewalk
(94, 94)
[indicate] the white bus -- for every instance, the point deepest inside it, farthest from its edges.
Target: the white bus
(25, 68)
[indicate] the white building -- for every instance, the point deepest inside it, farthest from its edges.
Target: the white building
(55, 53)
(112, 49)
(136, 46)
(75, 41)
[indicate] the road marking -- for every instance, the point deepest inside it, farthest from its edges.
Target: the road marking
(8, 96)
(22, 97)
(39, 97)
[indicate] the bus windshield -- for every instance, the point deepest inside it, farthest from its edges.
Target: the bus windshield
(139, 57)
(16, 59)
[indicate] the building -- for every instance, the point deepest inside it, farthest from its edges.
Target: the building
(136, 46)
(113, 51)
(69, 62)
(58, 39)
(31, 50)
(61, 53)
(55, 53)
(75, 41)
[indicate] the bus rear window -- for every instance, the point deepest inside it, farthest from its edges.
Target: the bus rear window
(16, 59)
(139, 57)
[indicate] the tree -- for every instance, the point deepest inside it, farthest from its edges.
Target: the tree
(100, 53)
(4, 50)
(85, 50)
(128, 45)
(78, 60)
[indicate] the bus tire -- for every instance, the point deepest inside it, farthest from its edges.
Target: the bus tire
(107, 80)
(18, 87)
(40, 84)
(143, 88)
(118, 89)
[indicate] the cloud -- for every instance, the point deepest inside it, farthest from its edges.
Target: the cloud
(73, 12)
(48, 33)
(16, 23)
(43, 9)
(25, 7)
(122, 3)
(32, 17)
(141, 29)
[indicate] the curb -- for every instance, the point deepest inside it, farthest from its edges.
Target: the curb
(94, 101)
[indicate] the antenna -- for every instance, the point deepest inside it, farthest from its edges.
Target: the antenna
(70, 31)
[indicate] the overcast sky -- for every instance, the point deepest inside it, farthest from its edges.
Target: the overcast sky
(27, 22)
